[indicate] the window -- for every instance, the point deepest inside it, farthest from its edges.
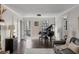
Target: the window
(44, 24)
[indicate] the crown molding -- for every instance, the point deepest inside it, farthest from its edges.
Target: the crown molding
(12, 11)
(62, 13)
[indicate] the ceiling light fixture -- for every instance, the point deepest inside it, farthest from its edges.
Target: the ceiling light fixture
(38, 14)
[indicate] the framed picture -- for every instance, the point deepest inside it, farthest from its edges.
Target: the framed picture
(36, 23)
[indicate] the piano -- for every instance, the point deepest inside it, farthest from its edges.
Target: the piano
(47, 34)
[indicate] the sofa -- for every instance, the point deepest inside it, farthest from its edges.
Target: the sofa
(70, 47)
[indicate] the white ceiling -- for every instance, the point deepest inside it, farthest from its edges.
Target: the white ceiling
(45, 9)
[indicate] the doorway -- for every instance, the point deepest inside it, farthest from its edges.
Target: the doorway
(30, 28)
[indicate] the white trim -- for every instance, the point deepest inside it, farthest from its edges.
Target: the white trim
(41, 16)
(38, 16)
(12, 11)
(68, 10)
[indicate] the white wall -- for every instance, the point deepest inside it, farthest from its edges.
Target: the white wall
(59, 29)
(10, 18)
(73, 22)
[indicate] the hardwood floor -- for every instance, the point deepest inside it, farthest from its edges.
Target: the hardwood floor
(41, 44)
(34, 44)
